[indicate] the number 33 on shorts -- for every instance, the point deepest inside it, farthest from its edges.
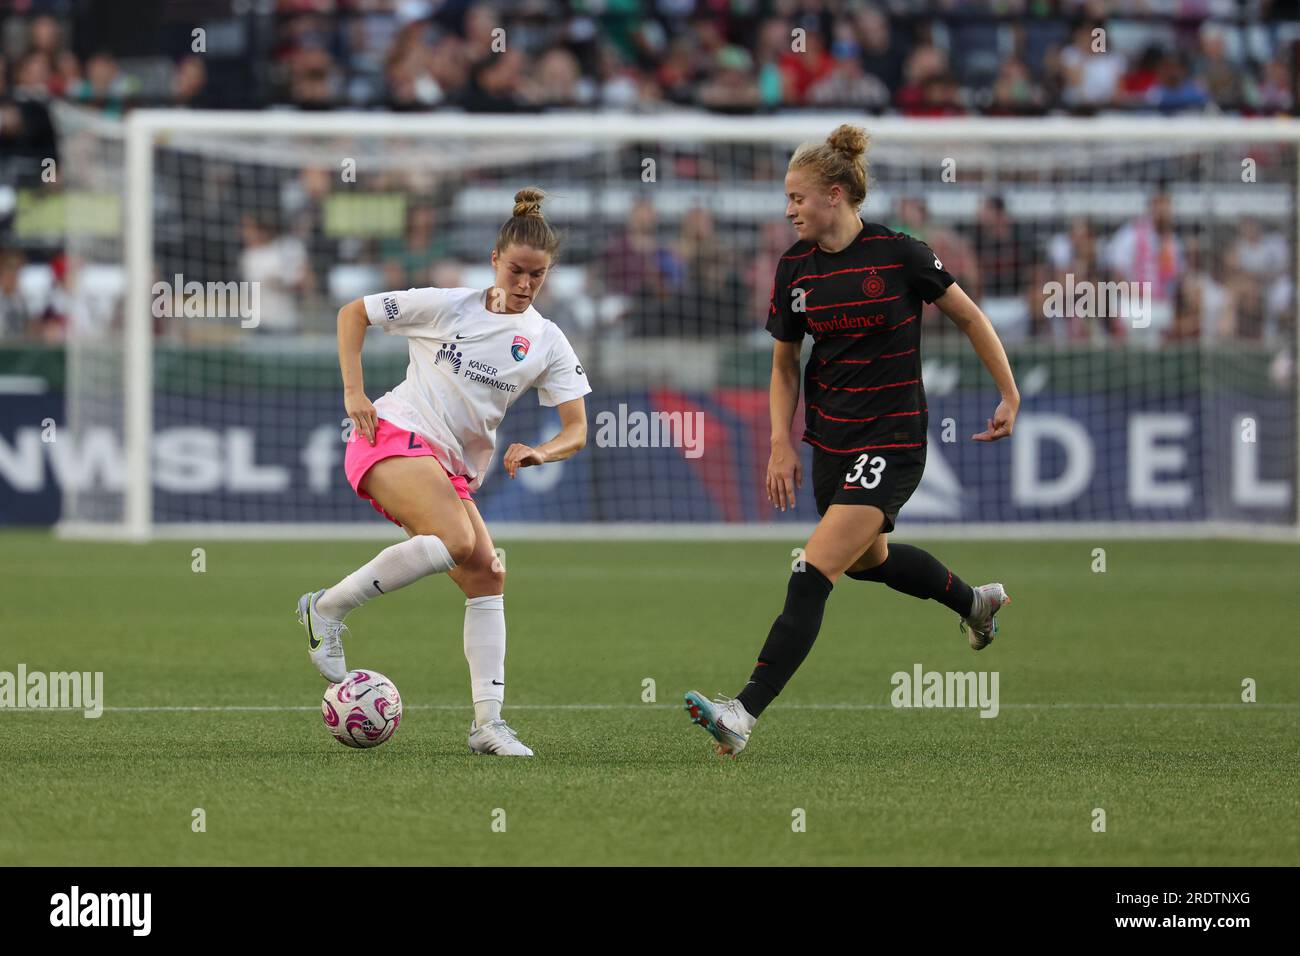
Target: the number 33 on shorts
(874, 468)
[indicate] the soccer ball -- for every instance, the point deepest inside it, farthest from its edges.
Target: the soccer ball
(363, 711)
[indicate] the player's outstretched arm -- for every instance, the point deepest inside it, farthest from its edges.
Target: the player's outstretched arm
(570, 440)
(353, 323)
(972, 321)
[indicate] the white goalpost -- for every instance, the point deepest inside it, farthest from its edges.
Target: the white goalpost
(1158, 374)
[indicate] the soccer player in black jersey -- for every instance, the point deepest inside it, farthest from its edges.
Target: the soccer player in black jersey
(857, 288)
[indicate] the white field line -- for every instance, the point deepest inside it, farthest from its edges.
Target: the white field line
(273, 709)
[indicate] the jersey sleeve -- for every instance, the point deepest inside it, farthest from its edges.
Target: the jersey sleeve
(563, 379)
(925, 273)
(785, 324)
(414, 312)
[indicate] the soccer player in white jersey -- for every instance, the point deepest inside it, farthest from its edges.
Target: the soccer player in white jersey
(420, 451)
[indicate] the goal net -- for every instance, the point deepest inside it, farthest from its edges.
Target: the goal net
(1141, 274)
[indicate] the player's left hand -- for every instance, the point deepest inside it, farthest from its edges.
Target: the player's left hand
(1000, 425)
(521, 456)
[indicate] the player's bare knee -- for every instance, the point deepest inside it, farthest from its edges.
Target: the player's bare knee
(459, 543)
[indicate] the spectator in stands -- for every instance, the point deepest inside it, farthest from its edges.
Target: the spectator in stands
(1147, 249)
(1176, 90)
(1073, 257)
(1258, 265)
(803, 66)
(408, 260)
(496, 84)
(925, 63)
(710, 299)
(772, 44)
(1224, 80)
(1014, 90)
(1003, 249)
(618, 82)
(636, 263)
(189, 82)
(882, 52)
(104, 85)
(16, 320)
(680, 70)
(480, 26)
(279, 265)
(848, 85)
(1204, 308)
(733, 86)
(314, 79)
(1141, 77)
(559, 81)
(1092, 69)
(1273, 91)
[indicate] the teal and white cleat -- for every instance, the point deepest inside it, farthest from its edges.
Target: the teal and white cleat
(982, 624)
(498, 738)
(324, 638)
(724, 718)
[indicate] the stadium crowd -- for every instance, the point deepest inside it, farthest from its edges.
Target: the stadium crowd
(1013, 57)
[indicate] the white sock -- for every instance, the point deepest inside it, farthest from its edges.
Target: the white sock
(395, 567)
(485, 650)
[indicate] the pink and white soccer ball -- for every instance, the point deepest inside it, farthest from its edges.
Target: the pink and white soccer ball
(362, 711)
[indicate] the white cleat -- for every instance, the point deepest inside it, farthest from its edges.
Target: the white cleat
(724, 718)
(324, 638)
(982, 625)
(496, 737)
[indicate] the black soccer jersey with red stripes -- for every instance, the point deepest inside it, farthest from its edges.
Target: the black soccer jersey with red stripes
(862, 306)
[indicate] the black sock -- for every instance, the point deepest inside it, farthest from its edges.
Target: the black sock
(919, 573)
(790, 639)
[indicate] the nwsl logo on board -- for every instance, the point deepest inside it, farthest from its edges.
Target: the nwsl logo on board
(520, 348)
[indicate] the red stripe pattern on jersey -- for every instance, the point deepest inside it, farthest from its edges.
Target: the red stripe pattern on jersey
(863, 388)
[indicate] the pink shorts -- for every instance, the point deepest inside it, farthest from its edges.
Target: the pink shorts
(391, 442)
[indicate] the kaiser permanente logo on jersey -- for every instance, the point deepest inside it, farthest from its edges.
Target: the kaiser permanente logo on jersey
(448, 355)
(57, 690)
(475, 371)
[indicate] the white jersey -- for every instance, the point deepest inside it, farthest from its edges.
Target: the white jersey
(468, 365)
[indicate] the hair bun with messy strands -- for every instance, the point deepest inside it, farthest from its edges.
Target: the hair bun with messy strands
(527, 226)
(851, 140)
(528, 202)
(840, 160)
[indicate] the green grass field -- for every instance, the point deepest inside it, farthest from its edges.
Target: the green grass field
(1119, 690)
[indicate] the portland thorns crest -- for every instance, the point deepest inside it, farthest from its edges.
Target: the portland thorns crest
(873, 286)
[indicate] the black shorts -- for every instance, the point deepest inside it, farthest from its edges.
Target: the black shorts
(885, 478)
